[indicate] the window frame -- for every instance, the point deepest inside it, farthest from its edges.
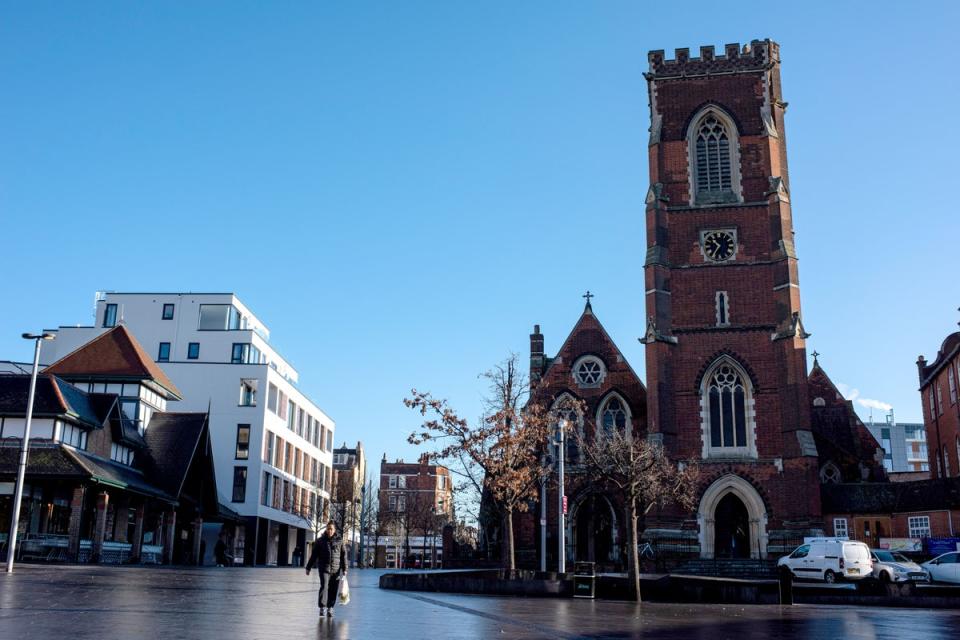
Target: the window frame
(160, 352)
(836, 529)
(917, 525)
(244, 453)
(749, 447)
(193, 351)
(239, 488)
(167, 306)
(110, 314)
(720, 197)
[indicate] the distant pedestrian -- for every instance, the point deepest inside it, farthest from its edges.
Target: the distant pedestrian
(220, 551)
(330, 559)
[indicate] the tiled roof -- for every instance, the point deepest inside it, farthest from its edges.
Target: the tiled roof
(173, 439)
(891, 497)
(43, 460)
(53, 397)
(118, 475)
(115, 353)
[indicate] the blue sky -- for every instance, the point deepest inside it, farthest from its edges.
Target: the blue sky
(401, 190)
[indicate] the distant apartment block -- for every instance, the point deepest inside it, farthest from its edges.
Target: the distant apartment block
(272, 444)
(904, 445)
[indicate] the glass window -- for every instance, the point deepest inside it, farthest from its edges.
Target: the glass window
(167, 312)
(268, 448)
(840, 527)
(248, 393)
(726, 399)
(329, 440)
(919, 526)
(801, 552)
(110, 316)
(291, 414)
(265, 489)
(713, 167)
(193, 351)
(613, 417)
(722, 308)
(239, 484)
(164, 353)
(219, 317)
(272, 397)
(589, 372)
(243, 441)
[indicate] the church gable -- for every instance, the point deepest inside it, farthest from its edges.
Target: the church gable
(589, 367)
(848, 451)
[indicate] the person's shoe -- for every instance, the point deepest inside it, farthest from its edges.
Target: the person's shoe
(323, 611)
(330, 612)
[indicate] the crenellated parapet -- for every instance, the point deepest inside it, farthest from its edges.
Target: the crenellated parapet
(756, 56)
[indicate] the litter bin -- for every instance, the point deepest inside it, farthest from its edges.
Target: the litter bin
(584, 580)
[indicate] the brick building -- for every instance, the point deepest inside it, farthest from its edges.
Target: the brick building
(941, 407)
(415, 502)
(349, 475)
(726, 355)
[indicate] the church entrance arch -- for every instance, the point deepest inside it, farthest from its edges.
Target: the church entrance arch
(733, 520)
(595, 534)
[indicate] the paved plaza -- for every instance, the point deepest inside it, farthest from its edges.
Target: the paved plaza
(100, 602)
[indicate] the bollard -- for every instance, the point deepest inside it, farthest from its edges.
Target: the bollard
(786, 586)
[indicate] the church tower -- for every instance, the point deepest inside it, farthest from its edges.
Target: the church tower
(725, 344)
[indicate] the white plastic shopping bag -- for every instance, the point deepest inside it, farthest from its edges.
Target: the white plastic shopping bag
(343, 592)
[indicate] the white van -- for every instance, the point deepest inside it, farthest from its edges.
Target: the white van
(829, 559)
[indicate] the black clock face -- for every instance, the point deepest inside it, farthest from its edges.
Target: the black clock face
(719, 245)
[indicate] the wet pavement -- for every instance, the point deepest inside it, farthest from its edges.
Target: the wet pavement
(133, 602)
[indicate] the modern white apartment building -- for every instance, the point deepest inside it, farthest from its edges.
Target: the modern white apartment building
(272, 445)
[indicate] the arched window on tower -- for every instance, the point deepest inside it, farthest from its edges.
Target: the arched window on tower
(714, 158)
(727, 411)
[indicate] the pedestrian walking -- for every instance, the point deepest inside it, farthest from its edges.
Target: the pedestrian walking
(220, 551)
(329, 558)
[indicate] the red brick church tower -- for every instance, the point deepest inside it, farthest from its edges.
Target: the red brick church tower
(725, 345)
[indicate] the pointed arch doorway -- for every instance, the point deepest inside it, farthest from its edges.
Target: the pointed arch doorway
(733, 520)
(595, 531)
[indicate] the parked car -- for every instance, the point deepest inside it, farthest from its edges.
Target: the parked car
(829, 559)
(944, 568)
(889, 566)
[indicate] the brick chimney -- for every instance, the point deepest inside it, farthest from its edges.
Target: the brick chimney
(536, 354)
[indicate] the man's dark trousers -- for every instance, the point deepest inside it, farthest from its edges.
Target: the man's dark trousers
(329, 582)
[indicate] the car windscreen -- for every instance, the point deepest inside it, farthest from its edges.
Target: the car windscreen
(856, 552)
(884, 556)
(899, 557)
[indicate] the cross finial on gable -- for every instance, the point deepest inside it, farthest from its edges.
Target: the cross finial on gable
(815, 356)
(588, 295)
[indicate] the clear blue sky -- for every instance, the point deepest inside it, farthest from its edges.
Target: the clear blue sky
(400, 190)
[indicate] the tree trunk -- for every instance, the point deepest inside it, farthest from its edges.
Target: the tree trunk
(633, 557)
(508, 555)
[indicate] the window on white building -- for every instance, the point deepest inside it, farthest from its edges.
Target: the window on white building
(919, 526)
(272, 397)
(239, 484)
(248, 393)
(121, 454)
(193, 351)
(243, 442)
(110, 315)
(73, 436)
(163, 355)
(167, 312)
(219, 317)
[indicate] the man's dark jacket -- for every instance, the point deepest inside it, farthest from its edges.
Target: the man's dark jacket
(328, 555)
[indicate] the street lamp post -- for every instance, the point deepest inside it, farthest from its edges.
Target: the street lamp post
(363, 527)
(561, 516)
(24, 448)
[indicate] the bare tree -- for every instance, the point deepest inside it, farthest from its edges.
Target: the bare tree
(640, 471)
(501, 453)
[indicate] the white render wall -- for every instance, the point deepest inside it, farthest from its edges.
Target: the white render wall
(213, 381)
